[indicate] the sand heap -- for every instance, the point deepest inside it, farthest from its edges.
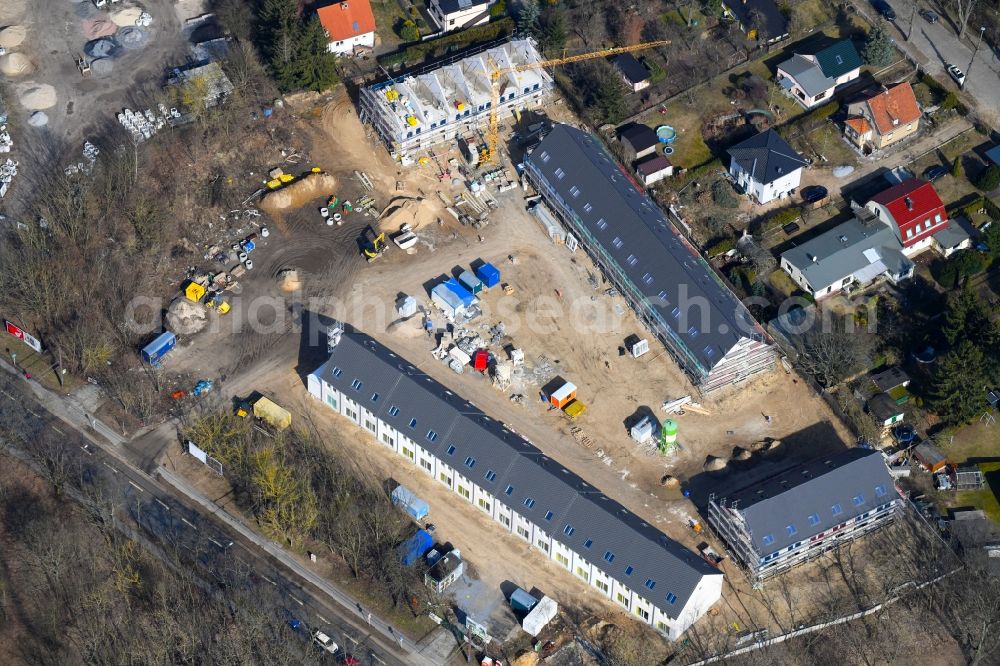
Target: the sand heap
(37, 96)
(186, 317)
(12, 36)
(15, 64)
(300, 192)
(713, 464)
(99, 26)
(126, 16)
(406, 210)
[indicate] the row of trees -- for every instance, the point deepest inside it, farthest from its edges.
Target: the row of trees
(301, 490)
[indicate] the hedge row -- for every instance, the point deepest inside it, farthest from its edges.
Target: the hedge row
(418, 53)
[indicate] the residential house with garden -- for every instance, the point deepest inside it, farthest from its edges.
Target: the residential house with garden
(638, 141)
(653, 169)
(883, 117)
(349, 25)
(811, 79)
(459, 14)
(774, 524)
(633, 71)
(917, 215)
(766, 167)
(758, 19)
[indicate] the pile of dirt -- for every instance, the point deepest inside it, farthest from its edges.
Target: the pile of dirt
(299, 193)
(416, 212)
(668, 481)
(15, 64)
(526, 659)
(105, 47)
(290, 280)
(12, 36)
(99, 26)
(126, 16)
(38, 96)
(713, 464)
(739, 453)
(186, 317)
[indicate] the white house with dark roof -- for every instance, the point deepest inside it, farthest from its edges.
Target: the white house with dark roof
(459, 14)
(811, 79)
(802, 512)
(529, 495)
(633, 71)
(766, 167)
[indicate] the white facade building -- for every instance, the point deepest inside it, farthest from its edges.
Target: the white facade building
(527, 494)
(766, 167)
(459, 14)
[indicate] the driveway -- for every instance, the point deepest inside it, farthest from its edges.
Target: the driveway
(936, 45)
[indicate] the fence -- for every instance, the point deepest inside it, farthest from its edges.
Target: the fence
(196, 452)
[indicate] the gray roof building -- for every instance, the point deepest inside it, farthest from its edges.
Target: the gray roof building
(631, 68)
(672, 288)
(808, 74)
(766, 157)
(514, 471)
(639, 137)
(856, 250)
(812, 498)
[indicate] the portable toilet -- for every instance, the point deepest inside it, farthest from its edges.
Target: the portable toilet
(522, 601)
(642, 431)
(489, 274)
(481, 360)
(563, 395)
(470, 282)
(406, 306)
(155, 350)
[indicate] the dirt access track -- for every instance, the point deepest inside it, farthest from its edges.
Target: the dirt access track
(566, 326)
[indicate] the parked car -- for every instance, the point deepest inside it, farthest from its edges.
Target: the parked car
(324, 641)
(791, 228)
(932, 173)
(348, 660)
(957, 74)
(929, 16)
(883, 8)
(814, 193)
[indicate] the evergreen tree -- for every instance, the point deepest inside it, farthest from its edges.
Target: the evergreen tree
(958, 383)
(611, 99)
(878, 50)
(552, 30)
(296, 51)
(527, 17)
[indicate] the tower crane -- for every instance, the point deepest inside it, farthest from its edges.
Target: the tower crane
(492, 137)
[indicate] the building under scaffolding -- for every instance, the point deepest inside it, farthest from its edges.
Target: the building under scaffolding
(428, 106)
(672, 289)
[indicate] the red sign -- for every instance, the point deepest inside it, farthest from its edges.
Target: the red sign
(23, 336)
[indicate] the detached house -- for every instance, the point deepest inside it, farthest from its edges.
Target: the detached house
(350, 26)
(766, 167)
(917, 215)
(796, 515)
(812, 79)
(758, 19)
(459, 14)
(883, 118)
(638, 140)
(632, 70)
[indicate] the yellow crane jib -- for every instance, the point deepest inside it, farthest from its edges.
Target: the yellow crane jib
(496, 73)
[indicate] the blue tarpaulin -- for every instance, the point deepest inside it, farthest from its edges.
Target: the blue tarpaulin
(453, 286)
(414, 548)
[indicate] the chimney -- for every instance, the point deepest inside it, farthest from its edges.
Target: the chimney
(343, 5)
(909, 203)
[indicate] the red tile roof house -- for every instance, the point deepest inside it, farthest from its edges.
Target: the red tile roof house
(350, 25)
(916, 213)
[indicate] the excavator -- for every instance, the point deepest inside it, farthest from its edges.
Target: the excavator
(373, 244)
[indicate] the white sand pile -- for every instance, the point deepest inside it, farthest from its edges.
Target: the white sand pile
(15, 64)
(186, 317)
(37, 96)
(12, 36)
(404, 210)
(713, 464)
(126, 16)
(300, 192)
(38, 119)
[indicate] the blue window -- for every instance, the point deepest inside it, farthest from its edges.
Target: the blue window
(629, 570)
(791, 530)
(394, 411)
(858, 500)
(337, 372)
(413, 423)
(510, 490)
(617, 242)
(880, 491)
(709, 351)
(693, 331)
(650, 583)
(375, 397)
(470, 462)
(767, 539)
(588, 543)
(431, 435)
(451, 450)
(676, 312)
(568, 530)
(528, 502)
(814, 519)
(491, 475)
(548, 515)
(837, 509)
(671, 598)
(575, 191)
(356, 385)
(609, 556)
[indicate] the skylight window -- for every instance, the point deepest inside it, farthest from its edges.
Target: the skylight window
(617, 242)
(693, 331)
(880, 491)
(650, 583)
(394, 411)
(491, 475)
(337, 372)
(609, 556)
(814, 519)
(671, 598)
(575, 191)
(528, 502)
(601, 224)
(836, 509)
(676, 312)
(356, 384)
(587, 207)
(568, 530)
(413, 423)
(548, 515)
(632, 261)
(629, 570)
(509, 490)
(375, 397)
(858, 500)
(560, 174)
(545, 156)
(431, 435)
(588, 543)
(791, 530)
(709, 351)
(451, 450)
(470, 462)
(767, 539)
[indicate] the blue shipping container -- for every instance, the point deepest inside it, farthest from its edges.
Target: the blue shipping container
(454, 287)
(156, 349)
(489, 274)
(414, 548)
(403, 497)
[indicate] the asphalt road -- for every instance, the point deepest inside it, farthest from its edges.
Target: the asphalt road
(936, 45)
(212, 548)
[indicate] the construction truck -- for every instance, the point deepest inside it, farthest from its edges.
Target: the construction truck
(373, 244)
(265, 410)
